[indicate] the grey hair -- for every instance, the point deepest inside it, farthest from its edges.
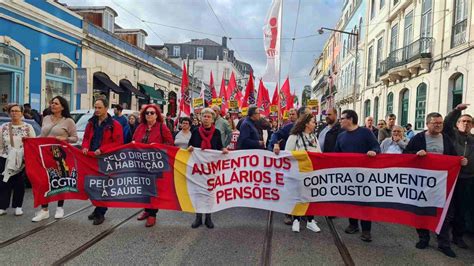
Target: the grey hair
(208, 110)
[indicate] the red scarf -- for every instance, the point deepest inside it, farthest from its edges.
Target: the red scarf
(206, 136)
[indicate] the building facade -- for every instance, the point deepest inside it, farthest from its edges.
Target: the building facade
(39, 53)
(49, 49)
(417, 59)
(204, 55)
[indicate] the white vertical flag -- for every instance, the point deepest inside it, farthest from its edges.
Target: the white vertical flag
(271, 41)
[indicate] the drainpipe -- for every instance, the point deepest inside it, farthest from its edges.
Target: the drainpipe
(442, 55)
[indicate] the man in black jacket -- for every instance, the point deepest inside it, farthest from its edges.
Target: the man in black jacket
(327, 136)
(434, 141)
(458, 128)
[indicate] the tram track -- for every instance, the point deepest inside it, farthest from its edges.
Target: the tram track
(267, 243)
(78, 251)
(41, 228)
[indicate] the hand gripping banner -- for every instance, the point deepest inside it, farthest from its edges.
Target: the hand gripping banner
(403, 189)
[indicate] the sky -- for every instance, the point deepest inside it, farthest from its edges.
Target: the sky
(242, 20)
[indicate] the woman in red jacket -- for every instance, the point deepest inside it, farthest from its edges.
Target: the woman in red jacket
(151, 130)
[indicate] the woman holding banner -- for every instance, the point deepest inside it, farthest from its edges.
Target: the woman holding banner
(206, 137)
(302, 138)
(151, 130)
(12, 160)
(58, 125)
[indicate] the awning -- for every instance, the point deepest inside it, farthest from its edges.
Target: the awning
(125, 84)
(102, 78)
(152, 93)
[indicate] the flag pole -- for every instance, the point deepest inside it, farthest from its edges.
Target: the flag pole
(280, 33)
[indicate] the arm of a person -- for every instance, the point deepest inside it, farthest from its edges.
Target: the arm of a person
(373, 143)
(217, 136)
(117, 138)
(450, 122)
(228, 133)
(411, 148)
(403, 143)
(382, 136)
(167, 136)
(291, 143)
(86, 141)
(384, 145)
(72, 131)
(337, 147)
(31, 132)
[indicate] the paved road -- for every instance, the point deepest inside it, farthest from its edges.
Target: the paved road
(241, 237)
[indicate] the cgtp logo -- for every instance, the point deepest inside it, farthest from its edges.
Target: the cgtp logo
(57, 161)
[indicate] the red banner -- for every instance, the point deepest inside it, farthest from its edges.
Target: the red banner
(401, 188)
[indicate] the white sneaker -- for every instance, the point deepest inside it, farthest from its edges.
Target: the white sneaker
(296, 226)
(3, 212)
(41, 215)
(18, 211)
(59, 213)
(313, 226)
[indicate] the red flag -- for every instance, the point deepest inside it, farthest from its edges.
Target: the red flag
(275, 96)
(213, 89)
(249, 98)
(233, 90)
(224, 95)
(286, 100)
(263, 99)
(185, 100)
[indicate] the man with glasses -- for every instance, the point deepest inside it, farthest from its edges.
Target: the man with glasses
(433, 140)
(458, 127)
(356, 139)
(249, 137)
(328, 135)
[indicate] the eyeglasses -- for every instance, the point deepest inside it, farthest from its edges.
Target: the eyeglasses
(150, 113)
(343, 117)
(380, 124)
(15, 111)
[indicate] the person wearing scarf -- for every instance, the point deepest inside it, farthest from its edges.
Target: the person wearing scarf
(206, 137)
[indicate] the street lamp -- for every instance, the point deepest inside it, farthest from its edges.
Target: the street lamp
(321, 31)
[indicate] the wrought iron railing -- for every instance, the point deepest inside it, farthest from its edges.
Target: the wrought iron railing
(459, 33)
(420, 48)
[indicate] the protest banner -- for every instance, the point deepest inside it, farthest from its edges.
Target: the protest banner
(198, 103)
(217, 101)
(403, 189)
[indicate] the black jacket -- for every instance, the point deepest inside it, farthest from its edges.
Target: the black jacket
(463, 143)
(216, 141)
(418, 143)
(331, 137)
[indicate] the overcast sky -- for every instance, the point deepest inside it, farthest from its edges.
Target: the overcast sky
(240, 19)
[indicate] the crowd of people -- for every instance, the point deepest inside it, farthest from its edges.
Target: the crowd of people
(211, 129)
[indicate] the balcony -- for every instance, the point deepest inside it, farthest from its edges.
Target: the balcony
(459, 33)
(406, 61)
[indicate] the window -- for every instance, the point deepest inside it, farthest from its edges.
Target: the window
(59, 80)
(408, 51)
(420, 107)
(10, 57)
(394, 38)
(457, 90)
(141, 40)
(395, 2)
(379, 57)
(369, 65)
(366, 108)
(376, 109)
(200, 53)
(460, 23)
(426, 18)
(372, 9)
(404, 97)
(382, 4)
(390, 103)
(225, 54)
(176, 51)
(108, 21)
